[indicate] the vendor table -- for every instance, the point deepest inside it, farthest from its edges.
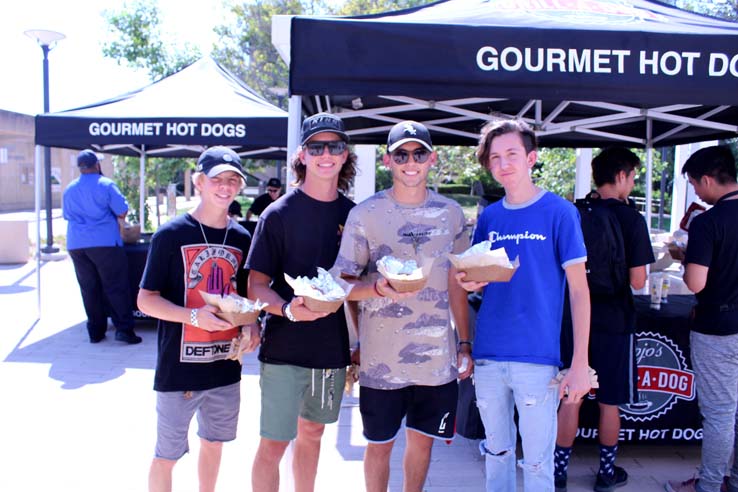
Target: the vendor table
(137, 254)
(667, 409)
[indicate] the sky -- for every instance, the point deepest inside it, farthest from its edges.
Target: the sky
(79, 74)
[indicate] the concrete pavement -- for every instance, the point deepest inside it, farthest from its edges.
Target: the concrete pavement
(77, 416)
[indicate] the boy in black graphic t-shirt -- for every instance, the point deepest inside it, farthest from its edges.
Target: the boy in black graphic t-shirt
(304, 354)
(202, 251)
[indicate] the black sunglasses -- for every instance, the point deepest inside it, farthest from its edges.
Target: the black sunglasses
(419, 155)
(335, 147)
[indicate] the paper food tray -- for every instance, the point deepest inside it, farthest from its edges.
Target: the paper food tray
(235, 319)
(484, 273)
(321, 305)
(403, 285)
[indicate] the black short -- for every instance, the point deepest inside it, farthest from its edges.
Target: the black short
(612, 355)
(430, 410)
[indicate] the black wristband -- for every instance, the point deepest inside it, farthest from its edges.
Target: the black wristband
(465, 342)
(284, 309)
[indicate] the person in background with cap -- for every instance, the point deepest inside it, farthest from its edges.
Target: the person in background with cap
(304, 354)
(409, 350)
(92, 205)
(201, 251)
(273, 189)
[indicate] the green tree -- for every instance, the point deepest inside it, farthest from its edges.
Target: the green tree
(556, 171)
(365, 7)
(135, 32)
(245, 44)
(724, 9)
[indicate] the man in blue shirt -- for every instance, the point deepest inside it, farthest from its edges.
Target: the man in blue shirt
(92, 205)
(516, 346)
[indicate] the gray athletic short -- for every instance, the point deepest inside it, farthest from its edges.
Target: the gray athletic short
(288, 391)
(217, 418)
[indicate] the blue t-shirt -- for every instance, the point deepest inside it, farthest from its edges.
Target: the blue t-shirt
(91, 205)
(520, 320)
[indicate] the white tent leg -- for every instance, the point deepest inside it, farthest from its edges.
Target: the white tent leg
(649, 171)
(683, 194)
(142, 188)
(364, 183)
(37, 207)
(583, 181)
(293, 134)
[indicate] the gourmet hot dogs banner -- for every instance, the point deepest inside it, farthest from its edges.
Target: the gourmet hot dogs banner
(596, 50)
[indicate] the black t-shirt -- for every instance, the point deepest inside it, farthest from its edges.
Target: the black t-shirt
(260, 204)
(296, 235)
(617, 314)
(179, 266)
(713, 242)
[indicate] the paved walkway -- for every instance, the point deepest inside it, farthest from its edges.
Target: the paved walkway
(80, 417)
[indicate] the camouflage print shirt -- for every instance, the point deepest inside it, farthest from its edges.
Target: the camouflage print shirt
(410, 342)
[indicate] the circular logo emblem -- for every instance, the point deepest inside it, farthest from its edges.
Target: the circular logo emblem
(663, 378)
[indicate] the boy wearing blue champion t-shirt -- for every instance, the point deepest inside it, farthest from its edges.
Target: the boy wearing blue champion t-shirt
(516, 347)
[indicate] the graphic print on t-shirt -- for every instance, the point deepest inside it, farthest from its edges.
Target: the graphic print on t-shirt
(207, 269)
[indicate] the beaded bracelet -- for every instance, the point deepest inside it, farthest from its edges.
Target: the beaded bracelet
(287, 312)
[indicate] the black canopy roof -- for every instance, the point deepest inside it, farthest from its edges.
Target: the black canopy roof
(178, 116)
(583, 72)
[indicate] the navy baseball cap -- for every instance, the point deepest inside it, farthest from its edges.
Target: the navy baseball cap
(219, 159)
(87, 159)
(409, 131)
(322, 123)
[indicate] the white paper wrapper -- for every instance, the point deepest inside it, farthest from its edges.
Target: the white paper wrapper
(484, 265)
(405, 282)
(312, 290)
(233, 308)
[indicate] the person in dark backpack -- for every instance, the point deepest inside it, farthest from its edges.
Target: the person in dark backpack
(623, 236)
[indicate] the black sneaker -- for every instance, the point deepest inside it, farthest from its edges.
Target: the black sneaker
(128, 337)
(560, 483)
(97, 339)
(608, 483)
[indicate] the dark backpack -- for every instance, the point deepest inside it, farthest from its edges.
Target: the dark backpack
(607, 271)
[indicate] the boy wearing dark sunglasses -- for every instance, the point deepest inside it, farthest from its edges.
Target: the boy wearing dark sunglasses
(304, 354)
(409, 351)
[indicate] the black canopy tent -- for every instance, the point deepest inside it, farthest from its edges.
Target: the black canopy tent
(179, 116)
(584, 73)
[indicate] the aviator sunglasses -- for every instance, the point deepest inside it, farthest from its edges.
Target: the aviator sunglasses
(335, 147)
(419, 155)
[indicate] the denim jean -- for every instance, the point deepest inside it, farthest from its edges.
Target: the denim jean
(715, 362)
(500, 387)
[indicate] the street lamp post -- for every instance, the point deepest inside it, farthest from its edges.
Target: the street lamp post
(47, 40)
